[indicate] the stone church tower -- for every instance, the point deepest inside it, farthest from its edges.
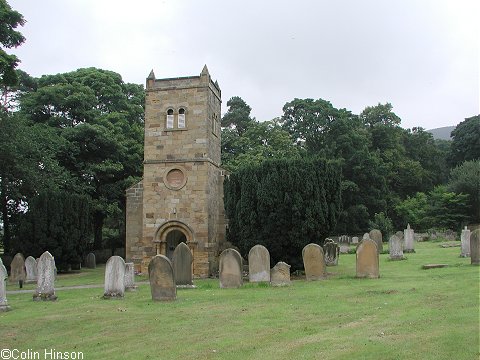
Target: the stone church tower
(180, 198)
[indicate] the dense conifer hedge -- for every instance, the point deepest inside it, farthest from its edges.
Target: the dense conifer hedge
(283, 205)
(57, 222)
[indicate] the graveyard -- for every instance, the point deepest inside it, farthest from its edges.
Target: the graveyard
(405, 313)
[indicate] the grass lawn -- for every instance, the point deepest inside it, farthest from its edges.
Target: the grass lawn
(408, 313)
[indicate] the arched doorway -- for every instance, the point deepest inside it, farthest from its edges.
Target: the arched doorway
(174, 237)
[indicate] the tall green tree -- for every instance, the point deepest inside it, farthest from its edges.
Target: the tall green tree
(9, 38)
(101, 119)
(28, 165)
(465, 141)
(465, 179)
(237, 118)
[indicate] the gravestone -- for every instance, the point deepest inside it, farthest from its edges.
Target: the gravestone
(376, 235)
(114, 278)
(259, 264)
(331, 251)
(3, 288)
(130, 277)
(31, 270)
(408, 237)
(366, 236)
(182, 265)
(313, 262)
(280, 274)
(90, 261)
(367, 259)
(45, 278)
(399, 234)
(17, 269)
(162, 279)
(465, 242)
(475, 247)
(395, 247)
(355, 240)
(230, 269)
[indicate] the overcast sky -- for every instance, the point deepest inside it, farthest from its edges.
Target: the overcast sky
(422, 56)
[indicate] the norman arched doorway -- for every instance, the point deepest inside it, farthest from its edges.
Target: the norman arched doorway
(173, 238)
(172, 233)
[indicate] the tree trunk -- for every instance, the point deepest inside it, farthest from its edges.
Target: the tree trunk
(5, 218)
(98, 219)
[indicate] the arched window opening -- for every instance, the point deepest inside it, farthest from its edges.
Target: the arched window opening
(181, 118)
(170, 119)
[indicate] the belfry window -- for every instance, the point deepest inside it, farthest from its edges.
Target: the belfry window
(170, 119)
(181, 118)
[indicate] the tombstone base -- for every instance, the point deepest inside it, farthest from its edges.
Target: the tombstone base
(44, 297)
(408, 250)
(464, 255)
(131, 288)
(397, 258)
(186, 286)
(113, 296)
(5, 308)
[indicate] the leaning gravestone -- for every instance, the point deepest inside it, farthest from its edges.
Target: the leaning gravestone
(475, 247)
(3, 290)
(31, 270)
(162, 280)
(376, 235)
(313, 262)
(259, 264)
(45, 278)
(395, 247)
(114, 278)
(280, 274)
(465, 242)
(230, 269)
(367, 259)
(90, 261)
(182, 265)
(130, 277)
(332, 252)
(17, 269)
(408, 236)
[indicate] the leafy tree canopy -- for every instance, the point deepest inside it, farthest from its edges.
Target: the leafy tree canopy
(9, 38)
(465, 141)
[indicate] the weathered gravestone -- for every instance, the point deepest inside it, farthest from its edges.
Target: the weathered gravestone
(114, 278)
(395, 247)
(313, 262)
(90, 261)
(45, 278)
(182, 265)
(280, 274)
(31, 270)
(355, 240)
(130, 277)
(17, 269)
(230, 269)
(259, 264)
(465, 242)
(367, 259)
(376, 235)
(331, 251)
(408, 237)
(475, 247)
(162, 280)
(3, 289)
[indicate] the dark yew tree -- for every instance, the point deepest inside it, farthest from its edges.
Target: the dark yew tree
(283, 205)
(58, 222)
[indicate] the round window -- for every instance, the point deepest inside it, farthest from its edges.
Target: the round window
(175, 179)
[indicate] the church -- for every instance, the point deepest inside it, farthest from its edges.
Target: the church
(180, 198)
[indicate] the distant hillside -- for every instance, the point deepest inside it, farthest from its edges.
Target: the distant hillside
(442, 133)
